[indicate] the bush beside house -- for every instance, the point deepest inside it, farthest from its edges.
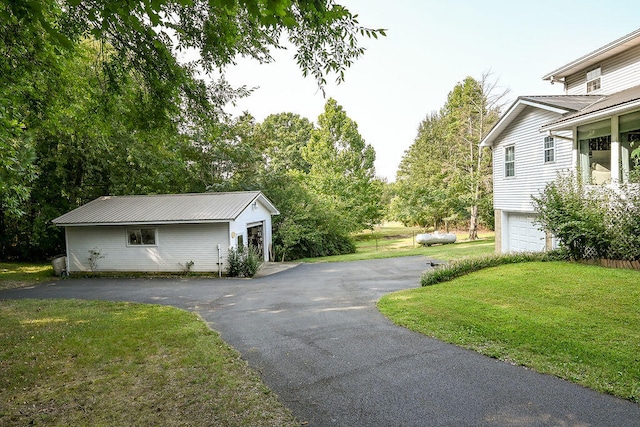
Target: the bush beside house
(592, 222)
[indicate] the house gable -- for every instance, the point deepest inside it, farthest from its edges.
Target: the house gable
(532, 172)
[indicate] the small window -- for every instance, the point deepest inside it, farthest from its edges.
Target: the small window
(141, 236)
(510, 161)
(593, 79)
(549, 149)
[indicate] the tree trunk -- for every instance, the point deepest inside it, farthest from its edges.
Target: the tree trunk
(473, 220)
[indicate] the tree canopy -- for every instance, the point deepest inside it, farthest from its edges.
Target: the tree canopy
(444, 176)
(95, 99)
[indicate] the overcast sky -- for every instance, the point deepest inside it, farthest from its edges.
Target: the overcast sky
(431, 46)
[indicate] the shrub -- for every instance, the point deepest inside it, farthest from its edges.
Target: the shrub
(574, 216)
(447, 272)
(591, 221)
(243, 262)
(623, 224)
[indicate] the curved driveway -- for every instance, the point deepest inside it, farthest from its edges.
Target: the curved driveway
(314, 334)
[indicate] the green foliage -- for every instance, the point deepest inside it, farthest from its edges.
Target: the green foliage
(322, 180)
(464, 266)
(342, 169)
(93, 100)
(444, 177)
(283, 137)
(307, 226)
(243, 262)
(591, 221)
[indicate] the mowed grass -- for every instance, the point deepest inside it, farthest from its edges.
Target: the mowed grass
(67, 362)
(578, 322)
(390, 241)
(16, 274)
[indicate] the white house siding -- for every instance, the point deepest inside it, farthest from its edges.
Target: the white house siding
(252, 215)
(176, 245)
(618, 73)
(513, 194)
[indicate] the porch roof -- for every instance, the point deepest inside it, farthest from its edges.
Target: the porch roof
(618, 103)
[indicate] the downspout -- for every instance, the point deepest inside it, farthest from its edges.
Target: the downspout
(66, 250)
(219, 265)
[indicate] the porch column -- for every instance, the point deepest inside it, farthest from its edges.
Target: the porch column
(615, 150)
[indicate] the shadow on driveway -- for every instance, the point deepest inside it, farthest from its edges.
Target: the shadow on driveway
(315, 335)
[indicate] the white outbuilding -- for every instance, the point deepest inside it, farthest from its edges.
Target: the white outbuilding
(166, 233)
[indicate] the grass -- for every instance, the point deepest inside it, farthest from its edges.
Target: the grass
(16, 274)
(577, 322)
(68, 362)
(392, 240)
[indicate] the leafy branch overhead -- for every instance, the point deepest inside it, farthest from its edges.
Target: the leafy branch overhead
(151, 32)
(97, 98)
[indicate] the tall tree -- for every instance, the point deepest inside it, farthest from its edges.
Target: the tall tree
(342, 168)
(471, 110)
(309, 224)
(424, 193)
(445, 174)
(132, 116)
(90, 139)
(283, 137)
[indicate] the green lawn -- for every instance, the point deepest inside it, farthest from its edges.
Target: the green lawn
(106, 364)
(578, 322)
(391, 241)
(16, 274)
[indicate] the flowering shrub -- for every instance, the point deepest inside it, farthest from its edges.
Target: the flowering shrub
(591, 221)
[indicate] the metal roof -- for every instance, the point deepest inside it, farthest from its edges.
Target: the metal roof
(164, 208)
(593, 58)
(617, 103)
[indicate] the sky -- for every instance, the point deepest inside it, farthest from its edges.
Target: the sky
(430, 47)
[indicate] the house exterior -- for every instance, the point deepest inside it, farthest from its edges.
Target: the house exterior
(166, 233)
(590, 129)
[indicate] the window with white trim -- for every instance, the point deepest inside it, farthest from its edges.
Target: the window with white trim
(510, 161)
(593, 79)
(141, 236)
(549, 149)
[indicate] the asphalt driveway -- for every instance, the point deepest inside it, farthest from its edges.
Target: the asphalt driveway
(314, 334)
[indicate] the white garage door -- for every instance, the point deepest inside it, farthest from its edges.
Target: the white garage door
(524, 236)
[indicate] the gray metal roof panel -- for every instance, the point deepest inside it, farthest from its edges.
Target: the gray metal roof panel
(164, 208)
(605, 102)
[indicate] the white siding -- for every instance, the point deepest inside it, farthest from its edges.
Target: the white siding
(618, 73)
(251, 216)
(175, 246)
(513, 194)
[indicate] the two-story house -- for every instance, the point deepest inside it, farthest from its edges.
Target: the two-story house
(591, 129)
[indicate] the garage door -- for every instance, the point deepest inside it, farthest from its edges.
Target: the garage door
(524, 236)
